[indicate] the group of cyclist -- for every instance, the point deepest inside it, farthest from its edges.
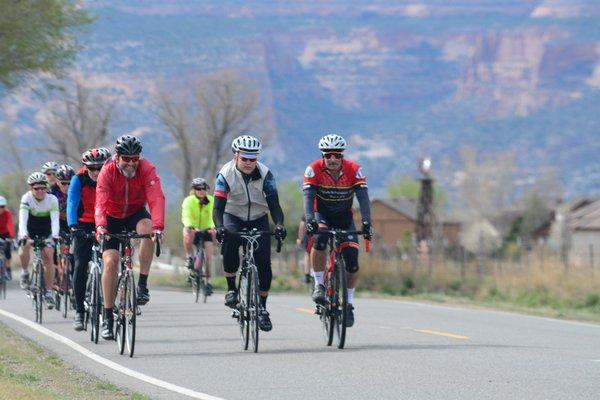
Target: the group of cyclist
(110, 194)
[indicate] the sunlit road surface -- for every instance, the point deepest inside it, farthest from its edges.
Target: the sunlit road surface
(396, 350)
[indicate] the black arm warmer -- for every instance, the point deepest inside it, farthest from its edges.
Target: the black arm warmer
(309, 198)
(362, 194)
(218, 210)
(275, 209)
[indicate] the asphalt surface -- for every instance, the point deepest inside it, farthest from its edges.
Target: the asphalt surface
(395, 350)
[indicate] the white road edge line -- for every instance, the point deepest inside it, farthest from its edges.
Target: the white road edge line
(110, 364)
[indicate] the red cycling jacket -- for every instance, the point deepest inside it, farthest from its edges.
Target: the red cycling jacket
(7, 227)
(121, 197)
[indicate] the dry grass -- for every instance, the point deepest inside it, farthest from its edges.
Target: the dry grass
(29, 372)
(536, 285)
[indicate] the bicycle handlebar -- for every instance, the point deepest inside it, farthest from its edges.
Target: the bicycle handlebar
(254, 233)
(134, 235)
(337, 232)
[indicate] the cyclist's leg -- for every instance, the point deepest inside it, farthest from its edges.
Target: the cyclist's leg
(188, 244)
(110, 264)
(208, 251)
(47, 261)
(24, 255)
(142, 224)
(82, 251)
(231, 257)
(318, 254)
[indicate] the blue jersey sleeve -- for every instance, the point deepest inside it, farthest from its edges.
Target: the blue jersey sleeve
(73, 200)
(221, 187)
(269, 186)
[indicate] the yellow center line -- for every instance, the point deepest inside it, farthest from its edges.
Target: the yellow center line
(306, 310)
(446, 334)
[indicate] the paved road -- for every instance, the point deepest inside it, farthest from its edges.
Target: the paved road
(396, 350)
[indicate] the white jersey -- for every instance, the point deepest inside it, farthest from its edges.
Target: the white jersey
(38, 218)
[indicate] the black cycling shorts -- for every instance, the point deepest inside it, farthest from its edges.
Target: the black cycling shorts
(202, 236)
(349, 243)
(121, 225)
(7, 247)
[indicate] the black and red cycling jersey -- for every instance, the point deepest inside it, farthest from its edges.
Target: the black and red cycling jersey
(333, 197)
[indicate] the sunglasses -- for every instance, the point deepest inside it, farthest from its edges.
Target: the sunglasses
(2, 207)
(130, 158)
(94, 169)
(200, 188)
(337, 156)
(64, 182)
(244, 159)
(50, 174)
(39, 188)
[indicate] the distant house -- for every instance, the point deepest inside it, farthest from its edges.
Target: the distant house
(584, 229)
(394, 222)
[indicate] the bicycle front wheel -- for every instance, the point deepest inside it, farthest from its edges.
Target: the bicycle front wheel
(95, 308)
(328, 311)
(254, 309)
(66, 285)
(130, 313)
(120, 325)
(341, 295)
(243, 302)
(3, 278)
(39, 292)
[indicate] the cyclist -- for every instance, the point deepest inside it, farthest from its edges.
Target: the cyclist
(80, 217)
(63, 175)
(196, 216)
(38, 216)
(245, 192)
(125, 185)
(49, 169)
(302, 243)
(7, 231)
(330, 184)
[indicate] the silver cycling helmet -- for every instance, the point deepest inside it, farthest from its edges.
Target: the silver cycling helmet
(246, 144)
(200, 182)
(49, 166)
(37, 177)
(3, 201)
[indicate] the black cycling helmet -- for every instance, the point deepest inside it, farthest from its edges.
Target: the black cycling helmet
(95, 157)
(65, 172)
(128, 145)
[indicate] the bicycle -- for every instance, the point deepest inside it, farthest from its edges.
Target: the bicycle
(3, 277)
(197, 275)
(93, 291)
(64, 286)
(333, 314)
(37, 287)
(126, 308)
(248, 293)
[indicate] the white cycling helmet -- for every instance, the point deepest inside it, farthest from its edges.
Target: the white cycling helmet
(37, 177)
(2, 201)
(49, 166)
(200, 182)
(332, 142)
(246, 144)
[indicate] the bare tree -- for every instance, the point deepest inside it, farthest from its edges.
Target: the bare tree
(203, 122)
(78, 121)
(12, 157)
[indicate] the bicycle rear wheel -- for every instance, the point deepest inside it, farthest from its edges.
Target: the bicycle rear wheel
(130, 312)
(341, 294)
(120, 313)
(3, 279)
(243, 302)
(254, 308)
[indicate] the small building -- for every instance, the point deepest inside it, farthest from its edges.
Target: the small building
(394, 222)
(584, 229)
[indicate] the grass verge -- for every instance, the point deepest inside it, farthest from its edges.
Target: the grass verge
(27, 371)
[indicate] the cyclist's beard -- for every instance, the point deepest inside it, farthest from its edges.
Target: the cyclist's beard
(128, 171)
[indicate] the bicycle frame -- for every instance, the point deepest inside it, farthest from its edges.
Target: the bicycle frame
(334, 313)
(249, 293)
